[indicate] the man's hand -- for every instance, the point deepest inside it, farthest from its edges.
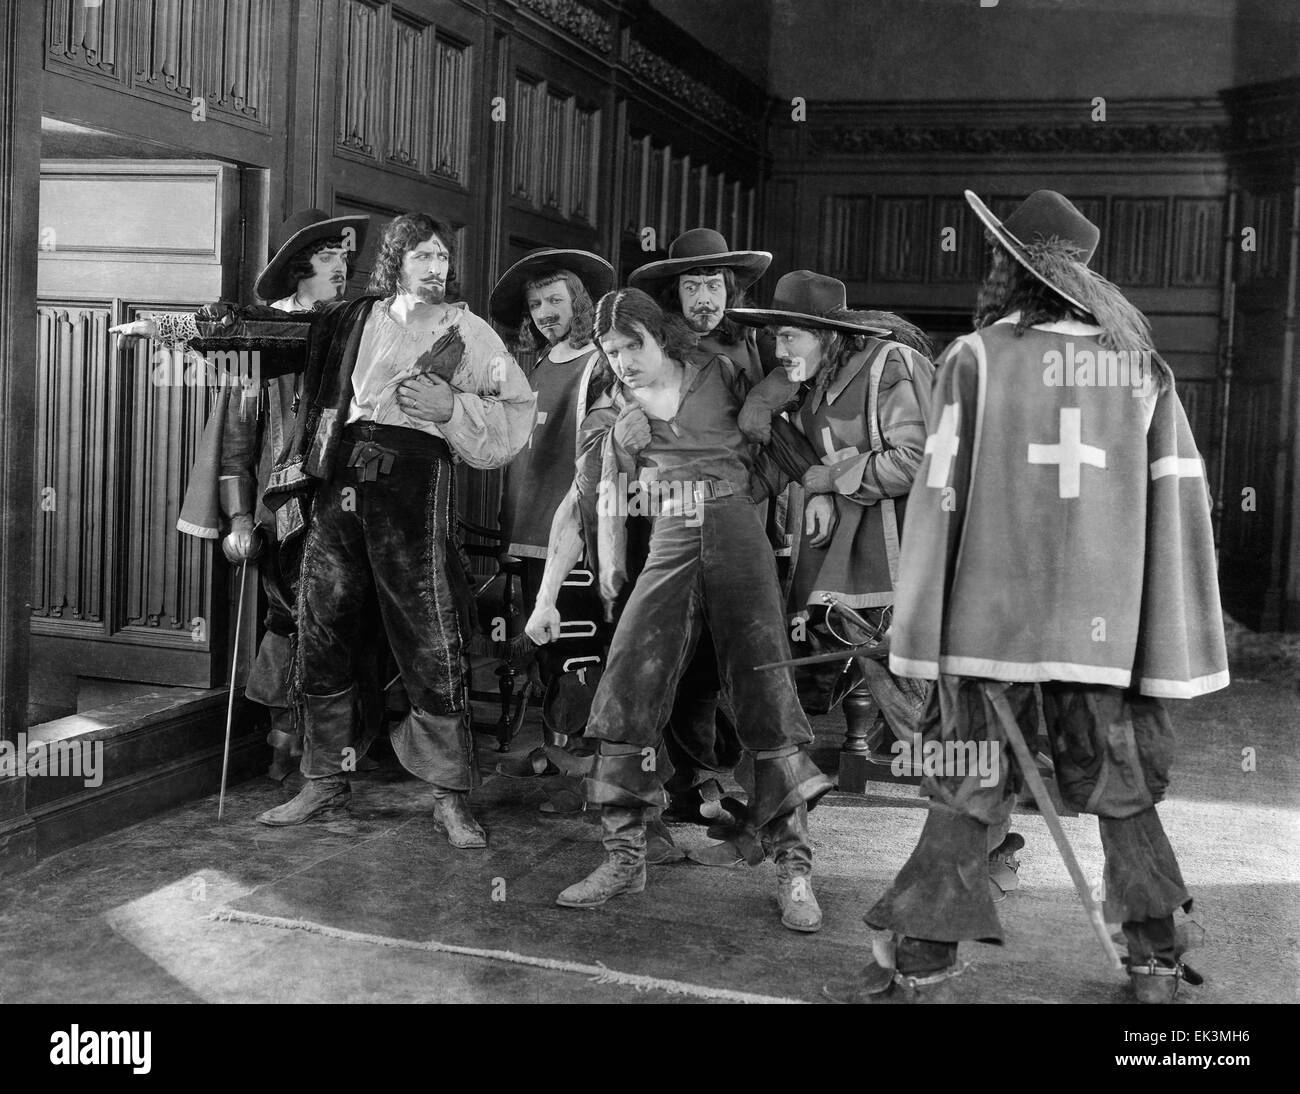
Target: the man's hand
(243, 544)
(427, 398)
(544, 625)
(632, 429)
(755, 421)
(141, 328)
(819, 519)
(819, 480)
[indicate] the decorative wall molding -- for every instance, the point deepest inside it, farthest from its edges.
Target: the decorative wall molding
(1147, 127)
(579, 20)
(709, 104)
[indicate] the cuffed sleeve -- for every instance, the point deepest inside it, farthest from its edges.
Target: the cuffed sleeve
(889, 474)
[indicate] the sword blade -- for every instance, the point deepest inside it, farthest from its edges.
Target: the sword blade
(839, 655)
(1044, 802)
(230, 701)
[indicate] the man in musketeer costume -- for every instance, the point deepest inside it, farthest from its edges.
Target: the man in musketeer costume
(549, 294)
(702, 277)
(248, 427)
(855, 384)
(398, 384)
(1058, 539)
(676, 444)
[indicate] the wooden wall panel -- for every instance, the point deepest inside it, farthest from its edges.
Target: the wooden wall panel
(86, 39)
(71, 445)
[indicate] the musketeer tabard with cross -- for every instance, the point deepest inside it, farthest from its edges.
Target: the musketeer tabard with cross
(1058, 538)
(548, 294)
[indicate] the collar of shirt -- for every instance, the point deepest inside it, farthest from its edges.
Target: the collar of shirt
(1060, 326)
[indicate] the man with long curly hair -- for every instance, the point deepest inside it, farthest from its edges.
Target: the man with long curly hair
(675, 453)
(854, 384)
(1058, 541)
(398, 384)
(547, 295)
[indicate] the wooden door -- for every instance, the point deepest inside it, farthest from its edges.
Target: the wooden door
(118, 592)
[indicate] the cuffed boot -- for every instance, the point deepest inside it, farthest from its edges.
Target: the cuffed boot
(788, 836)
(317, 796)
(623, 871)
(282, 737)
(452, 817)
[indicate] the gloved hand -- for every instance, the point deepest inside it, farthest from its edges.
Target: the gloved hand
(755, 421)
(244, 543)
(819, 480)
(632, 429)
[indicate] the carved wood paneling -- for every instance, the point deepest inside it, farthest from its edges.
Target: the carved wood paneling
(1137, 241)
(964, 263)
(451, 110)
(902, 240)
(408, 93)
(360, 60)
(1265, 213)
(163, 575)
(676, 196)
(71, 449)
(555, 119)
(1252, 417)
(86, 39)
(167, 47)
(237, 47)
(655, 169)
(633, 178)
(526, 139)
(1198, 242)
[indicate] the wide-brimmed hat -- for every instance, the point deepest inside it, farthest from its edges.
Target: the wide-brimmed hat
(506, 304)
(700, 247)
(297, 233)
(808, 300)
(1043, 218)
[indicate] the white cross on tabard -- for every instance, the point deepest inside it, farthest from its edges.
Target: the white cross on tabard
(834, 455)
(1184, 467)
(1070, 454)
(541, 420)
(942, 445)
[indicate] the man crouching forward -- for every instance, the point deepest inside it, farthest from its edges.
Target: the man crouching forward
(675, 423)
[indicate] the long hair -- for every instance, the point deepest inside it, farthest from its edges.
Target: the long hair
(1009, 288)
(401, 236)
(728, 332)
(299, 266)
(584, 311)
(618, 310)
(838, 346)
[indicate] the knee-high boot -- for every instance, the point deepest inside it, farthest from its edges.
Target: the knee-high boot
(623, 871)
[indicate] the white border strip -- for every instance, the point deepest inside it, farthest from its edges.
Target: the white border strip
(601, 974)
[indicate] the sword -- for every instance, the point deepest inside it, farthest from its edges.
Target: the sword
(1044, 802)
(230, 702)
(878, 649)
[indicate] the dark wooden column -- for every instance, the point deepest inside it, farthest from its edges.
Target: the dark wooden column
(20, 163)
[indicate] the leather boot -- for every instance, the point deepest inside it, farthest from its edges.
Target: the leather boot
(660, 846)
(317, 796)
(788, 836)
(281, 738)
(624, 869)
(451, 816)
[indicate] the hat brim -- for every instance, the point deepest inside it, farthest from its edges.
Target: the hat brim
(749, 266)
(506, 302)
(771, 317)
(1016, 248)
(270, 285)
